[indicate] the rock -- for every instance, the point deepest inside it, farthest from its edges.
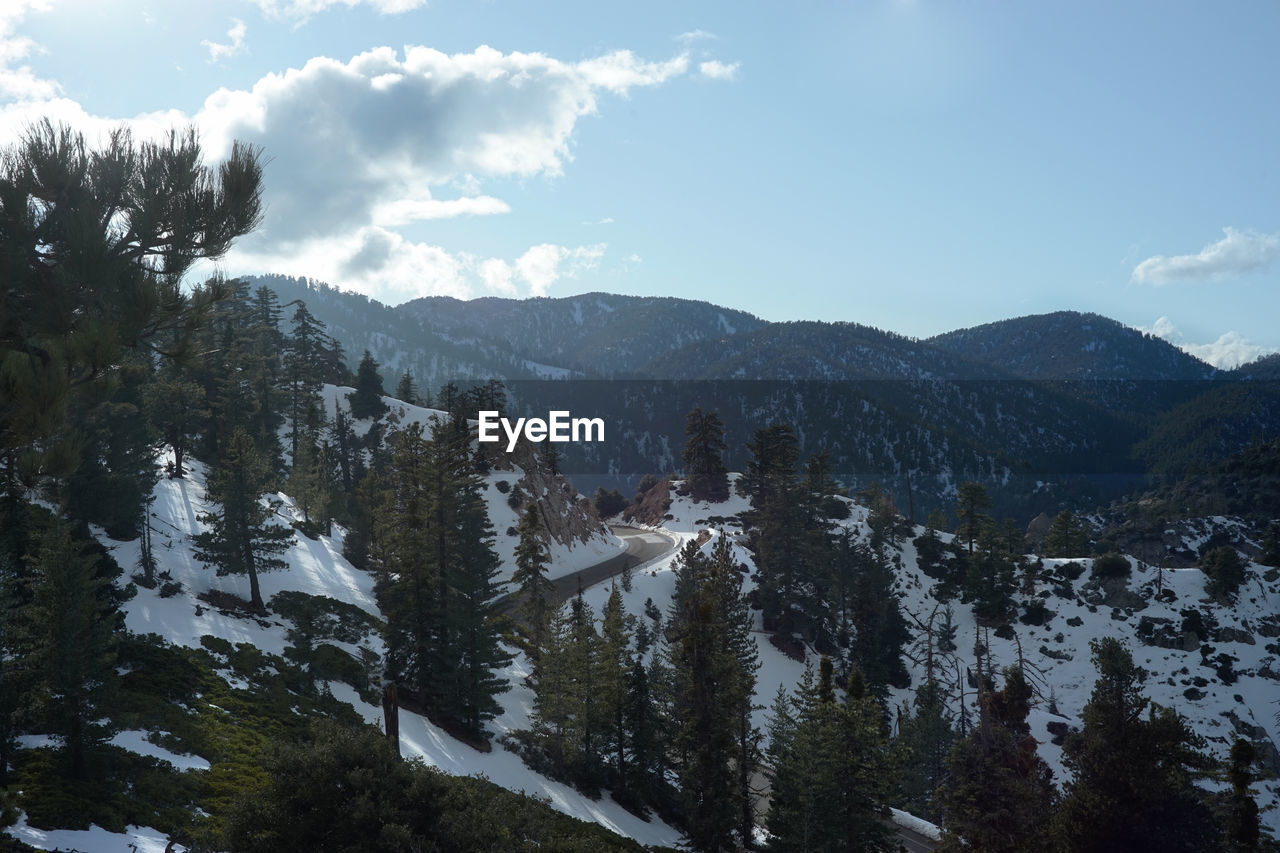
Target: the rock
(1233, 635)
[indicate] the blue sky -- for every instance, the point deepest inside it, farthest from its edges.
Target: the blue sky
(913, 165)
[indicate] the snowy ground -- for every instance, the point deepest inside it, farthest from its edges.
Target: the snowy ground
(317, 567)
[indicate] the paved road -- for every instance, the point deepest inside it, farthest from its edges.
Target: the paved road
(914, 842)
(643, 547)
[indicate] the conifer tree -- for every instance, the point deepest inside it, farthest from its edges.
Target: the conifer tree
(830, 770)
(614, 664)
(94, 244)
(70, 642)
(1131, 787)
(406, 390)
(920, 750)
(303, 373)
(971, 505)
(1066, 537)
(366, 400)
(704, 447)
(530, 578)
(1243, 831)
(242, 539)
(999, 794)
(177, 408)
(713, 661)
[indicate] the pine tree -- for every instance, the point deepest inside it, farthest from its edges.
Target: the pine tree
(1271, 545)
(1067, 537)
(1131, 786)
(713, 661)
(303, 374)
(999, 794)
(1243, 831)
(530, 578)
(241, 539)
(971, 503)
(406, 390)
(366, 400)
(830, 770)
(708, 479)
(614, 664)
(924, 740)
(94, 244)
(177, 408)
(70, 643)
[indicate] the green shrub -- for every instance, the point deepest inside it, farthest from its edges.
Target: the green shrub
(1111, 565)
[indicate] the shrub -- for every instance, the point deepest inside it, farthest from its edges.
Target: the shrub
(502, 486)
(1111, 565)
(1224, 570)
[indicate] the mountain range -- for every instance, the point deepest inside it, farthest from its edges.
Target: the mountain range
(1045, 409)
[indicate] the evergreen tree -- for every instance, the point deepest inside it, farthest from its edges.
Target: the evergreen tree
(830, 770)
(1243, 831)
(1000, 793)
(432, 546)
(971, 504)
(406, 390)
(989, 581)
(176, 406)
(70, 643)
(241, 539)
(1067, 537)
(708, 479)
(94, 244)
(713, 662)
(366, 400)
(1225, 572)
(1132, 777)
(879, 628)
(304, 374)
(536, 590)
(920, 750)
(614, 663)
(1271, 545)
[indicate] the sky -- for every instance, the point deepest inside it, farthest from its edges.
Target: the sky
(915, 165)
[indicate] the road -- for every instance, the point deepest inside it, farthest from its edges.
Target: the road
(643, 547)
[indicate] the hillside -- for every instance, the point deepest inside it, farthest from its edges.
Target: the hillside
(1072, 345)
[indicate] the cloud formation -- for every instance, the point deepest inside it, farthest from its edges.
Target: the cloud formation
(301, 10)
(235, 43)
(1231, 349)
(358, 151)
(718, 70)
(1236, 253)
(18, 83)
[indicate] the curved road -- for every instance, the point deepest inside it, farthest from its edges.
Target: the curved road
(643, 547)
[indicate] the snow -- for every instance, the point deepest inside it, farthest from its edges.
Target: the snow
(95, 839)
(136, 741)
(318, 568)
(915, 824)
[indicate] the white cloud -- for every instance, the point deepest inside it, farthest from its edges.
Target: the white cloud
(18, 83)
(717, 70)
(1237, 252)
(497, 276)
(357, 151)
(696, 35)
(1231, 349)
(541, 266)
(301, 10)
(235, 44)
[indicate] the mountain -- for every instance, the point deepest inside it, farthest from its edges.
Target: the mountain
(1072, 345)
(1044, 409)
(439, 338)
